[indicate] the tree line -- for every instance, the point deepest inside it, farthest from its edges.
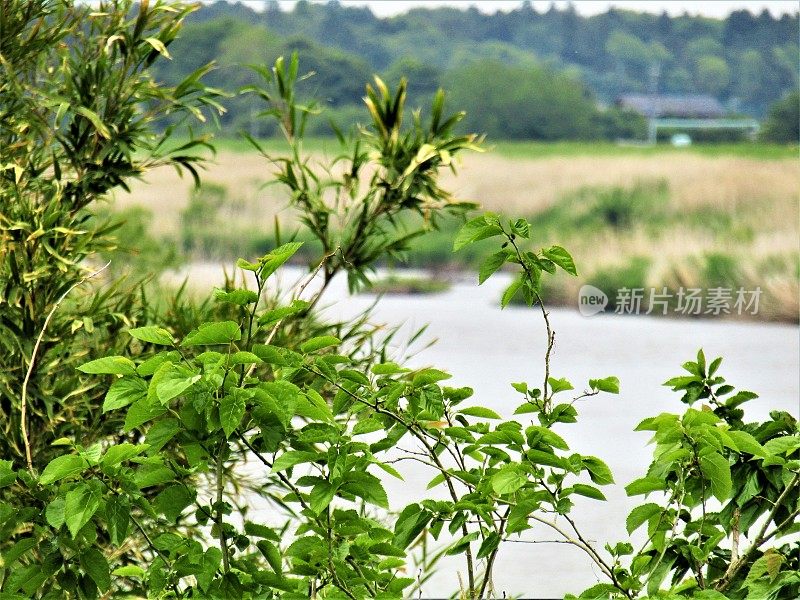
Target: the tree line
(542, 75)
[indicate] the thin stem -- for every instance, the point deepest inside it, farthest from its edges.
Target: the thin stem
(24, 399)
(223, 545)
(288, 483)
(487, 576)
(551, 336)
(300, 291)
(760, 538)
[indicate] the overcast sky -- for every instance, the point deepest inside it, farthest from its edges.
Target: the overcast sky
(715, 8)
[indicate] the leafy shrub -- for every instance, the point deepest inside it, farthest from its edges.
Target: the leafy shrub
(631, 275)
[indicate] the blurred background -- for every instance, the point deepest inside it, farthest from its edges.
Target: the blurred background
(656, 141)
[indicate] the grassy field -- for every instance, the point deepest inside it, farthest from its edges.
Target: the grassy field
(722, 215)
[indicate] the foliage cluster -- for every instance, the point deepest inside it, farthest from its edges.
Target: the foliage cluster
(133, 453)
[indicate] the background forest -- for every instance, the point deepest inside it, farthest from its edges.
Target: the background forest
(556, 68)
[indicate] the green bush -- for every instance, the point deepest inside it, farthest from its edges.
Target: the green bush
(783, 120)
(631, 275)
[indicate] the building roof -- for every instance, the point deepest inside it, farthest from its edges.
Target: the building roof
(695, 107)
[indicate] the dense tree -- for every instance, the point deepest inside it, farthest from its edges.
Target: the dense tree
(747, 61)
(783, 120)
(533, 103)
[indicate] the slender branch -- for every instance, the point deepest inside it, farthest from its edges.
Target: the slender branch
(223, 545)
(551, 336)
(760, 538)
(487, 576)
(24, 399)
(787, 521)
(588, 548)
(300, 291)
(287, 482)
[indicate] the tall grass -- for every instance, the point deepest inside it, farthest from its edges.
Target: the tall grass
(658, 217)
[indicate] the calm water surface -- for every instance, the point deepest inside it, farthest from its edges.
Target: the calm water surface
(486, 348)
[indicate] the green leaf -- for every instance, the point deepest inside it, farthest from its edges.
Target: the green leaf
(129, 571)
(80, 505)
(141, 412)
(160, 433)
(95, 120)
(276, 314)
(272, 554)
(293, 457)
(559, 385)
(607, 384)
(7, 474)
(489, 545)
(54, 513)
(153, 473)
(510, 292)
(231, 410)
(716, 468)
(121, 452)
(409, 524)
(153, 335)
(490, 265)
(247, 266)
(598, 470)
(480, 412)
(640, 515)
(61, 467)
(158, 46)
(318, 343)
(388, 368)
(16, 551)
(428, 376)
(95, 565)
(260, 531)
(520, 227)
(274, 259)
(354, 376)
(172, 501)
(746, 442)
(173, 383)
(117, 518)
(321, 495)
(366, 486)
(549, 437)
(562, 258)
(389, 469)
(367, 426)
(509, 479)
(155, 362)
(785, 444)
(437, 479)
(473, 231)
(109, 365)
(313, 406)
(123, 392)
(244, 358)
(549, 459)
(210, 334)
(237, 297)
(645, 485)
(588, 490)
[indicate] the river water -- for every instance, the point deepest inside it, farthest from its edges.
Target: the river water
(487, 348)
